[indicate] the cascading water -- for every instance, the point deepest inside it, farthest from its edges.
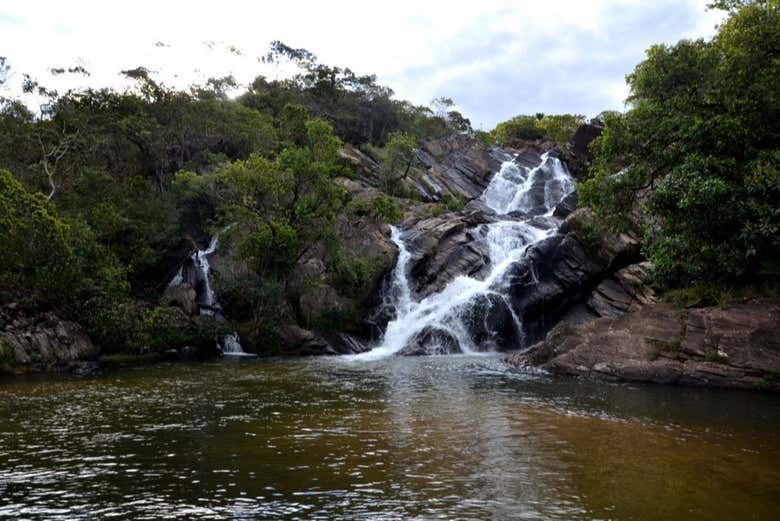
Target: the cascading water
(525, 198)
(208, 303)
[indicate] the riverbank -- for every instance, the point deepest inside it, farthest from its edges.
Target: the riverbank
(736, 345)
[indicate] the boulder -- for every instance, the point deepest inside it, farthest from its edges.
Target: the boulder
(491, 324)
(583, 137)
(300, 341)
(43, 342)
(736, 346)
(346, 344)
(567, 206)
(184, 296)
(431, 341)
(558, 274)
(304, 342)
(625, 291)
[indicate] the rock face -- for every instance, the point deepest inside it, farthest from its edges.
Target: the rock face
(184, 296)
(45, 342)
(583, 137)
(567, 277)
(736, 347)
(301, 341)
(572, 277)
(577, 153)
(623, 292)
(444, 247)
(456, 165)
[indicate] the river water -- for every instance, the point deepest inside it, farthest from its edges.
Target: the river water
(448, 437)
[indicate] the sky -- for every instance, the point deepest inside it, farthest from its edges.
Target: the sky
(495, 58)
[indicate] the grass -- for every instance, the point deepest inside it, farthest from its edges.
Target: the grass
(671, 347)
(706, 295)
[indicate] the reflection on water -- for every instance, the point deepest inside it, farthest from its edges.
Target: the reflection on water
(442, 437)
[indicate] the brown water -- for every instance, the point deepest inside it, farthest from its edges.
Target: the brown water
(428, 438)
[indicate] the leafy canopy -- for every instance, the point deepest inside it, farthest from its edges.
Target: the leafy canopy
(699, 152)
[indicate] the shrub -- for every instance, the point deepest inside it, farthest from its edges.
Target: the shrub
(385, 209)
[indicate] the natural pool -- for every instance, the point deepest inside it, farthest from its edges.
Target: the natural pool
(452, 437)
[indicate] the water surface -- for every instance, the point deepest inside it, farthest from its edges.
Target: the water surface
(452, 437)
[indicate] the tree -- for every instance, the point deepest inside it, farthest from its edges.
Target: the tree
(400, 153)
(560, 127)
(698, 151)
(288, 203)
(53, 260)
(517, 128)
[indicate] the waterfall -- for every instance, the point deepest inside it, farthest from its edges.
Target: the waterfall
(444, 319)
(208, 304)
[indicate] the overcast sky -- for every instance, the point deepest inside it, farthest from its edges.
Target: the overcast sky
(495, 58)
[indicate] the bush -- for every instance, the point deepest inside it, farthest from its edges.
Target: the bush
(517, 128)
(135, 327)
(353, 275)
(54, 260)
(385, 209)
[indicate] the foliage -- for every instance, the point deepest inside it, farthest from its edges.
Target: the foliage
(698, 151)
(56, 261)
(353, 275)
(399, 155)
(133, 327)
(286, 203)
(517, 128)
(110, 188)
(558, 127)
(7, 356)
(385, 209)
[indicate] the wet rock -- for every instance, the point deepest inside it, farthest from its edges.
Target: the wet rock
(567, 205)
(431, 341)
(491, 324)
(345, 344)
(304, 342)
(188, 353)
(456, 165)
(558, 274)
(737, 346)
(445, 247)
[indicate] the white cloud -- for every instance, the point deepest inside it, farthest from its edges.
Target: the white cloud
(563, 55)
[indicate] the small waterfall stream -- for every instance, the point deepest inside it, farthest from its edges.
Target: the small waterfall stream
(525, 199)
(207, 300)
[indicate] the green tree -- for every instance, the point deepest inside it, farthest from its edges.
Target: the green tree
(560, 127)
(287, 203)
(517, 128)
(399, 156)
(49, 259)
(698, 151)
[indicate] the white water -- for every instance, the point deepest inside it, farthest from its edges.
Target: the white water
(209, 305)
(510, 190)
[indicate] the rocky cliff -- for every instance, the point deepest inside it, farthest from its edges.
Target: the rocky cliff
(734, 346)
(35, 342)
